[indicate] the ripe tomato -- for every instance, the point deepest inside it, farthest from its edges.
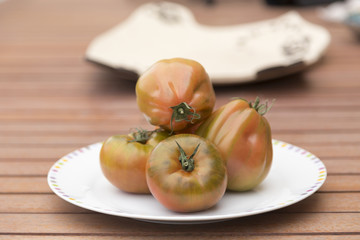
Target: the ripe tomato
(175, 94)
(186, 173)
(243, 137)
(123, 159)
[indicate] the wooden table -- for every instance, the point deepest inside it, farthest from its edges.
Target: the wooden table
(53, 102)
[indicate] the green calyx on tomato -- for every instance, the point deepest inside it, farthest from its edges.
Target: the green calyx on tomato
(182, 112)
(187, 163)
(263, 108)
(142, 135)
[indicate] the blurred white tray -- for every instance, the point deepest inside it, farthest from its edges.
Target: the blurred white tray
(230, 54)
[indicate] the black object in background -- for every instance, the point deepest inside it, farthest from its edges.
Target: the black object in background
(299, 2)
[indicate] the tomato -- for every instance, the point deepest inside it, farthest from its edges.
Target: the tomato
(243, 136)
(123, 159)
(186, 173)
(175, 94)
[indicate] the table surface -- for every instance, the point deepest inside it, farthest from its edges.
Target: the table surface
(53, 102)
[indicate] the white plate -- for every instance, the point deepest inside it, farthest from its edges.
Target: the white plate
(230, 54)
(295, 175)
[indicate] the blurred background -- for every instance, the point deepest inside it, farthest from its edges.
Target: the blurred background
(51, 96)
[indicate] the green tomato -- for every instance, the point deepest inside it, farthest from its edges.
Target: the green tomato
(243, 136)
(186, 173)
(123, 159)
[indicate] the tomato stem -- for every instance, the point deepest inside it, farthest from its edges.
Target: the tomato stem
(187, 163)
(183, 112)
(262, 109)
(141, 135)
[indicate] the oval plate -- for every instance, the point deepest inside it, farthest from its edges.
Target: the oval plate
(294, 176)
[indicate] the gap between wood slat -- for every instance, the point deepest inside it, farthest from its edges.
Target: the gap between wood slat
(26, 236)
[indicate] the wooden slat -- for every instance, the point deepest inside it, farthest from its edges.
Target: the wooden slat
(343, 166)
(327, 202)
(83, 139)
(50, 203)
(80, 122)
(272, 223)
(96, 113)
(41, 168)
(334, 151)
(304, 139)
(270, 92)
(25, 168)
(77, 71)
(295, 106)
(51, 140)
(127, 100)
(334, 183)
(24, 185)
(317, 138)
(36, 203)
(164, 237)
(48, 50)
(340, 183)
(75, 128)
(350, 151)
(56, 74)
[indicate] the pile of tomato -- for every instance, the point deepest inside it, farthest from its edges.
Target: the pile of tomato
(194, 154)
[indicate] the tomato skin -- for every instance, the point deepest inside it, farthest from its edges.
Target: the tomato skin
(170, 82)
(183, 191)
(123, 161)
(243, 137)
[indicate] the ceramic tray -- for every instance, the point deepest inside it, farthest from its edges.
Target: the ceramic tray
(230, 54)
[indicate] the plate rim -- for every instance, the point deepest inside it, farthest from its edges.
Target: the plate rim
(186, 218)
